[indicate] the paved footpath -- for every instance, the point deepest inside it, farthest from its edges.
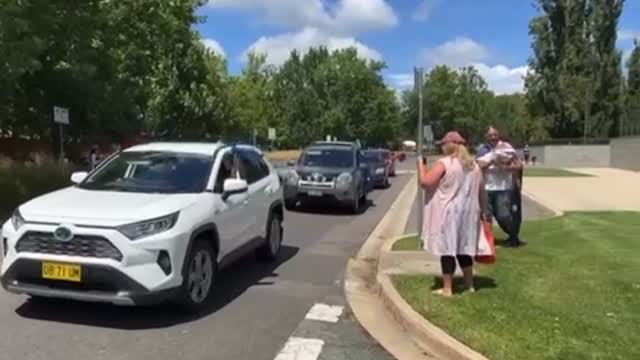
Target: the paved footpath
(607, 189)
(261, 312)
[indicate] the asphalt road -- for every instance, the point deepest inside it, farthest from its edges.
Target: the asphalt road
(257, 309)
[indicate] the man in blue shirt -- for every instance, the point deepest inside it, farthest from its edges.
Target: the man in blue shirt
(500, 186)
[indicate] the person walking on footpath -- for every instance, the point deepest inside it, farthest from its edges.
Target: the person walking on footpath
(93, 157)
(499, 163)
(451, 223)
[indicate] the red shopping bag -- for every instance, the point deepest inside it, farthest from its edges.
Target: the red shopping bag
(486, 245)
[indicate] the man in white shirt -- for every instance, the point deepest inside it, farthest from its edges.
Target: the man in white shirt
(499, 164)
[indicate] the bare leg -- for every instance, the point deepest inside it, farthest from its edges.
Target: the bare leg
(466, 263)
(447, 282)
(448, 264)
(467, 273)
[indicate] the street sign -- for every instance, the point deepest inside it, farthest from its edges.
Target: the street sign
(428, 134)
(272, 134)
(60, 115)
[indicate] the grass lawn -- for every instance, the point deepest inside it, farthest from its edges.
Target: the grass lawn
(572, 293)
(284, 155)
(551, 172)
(407, 244)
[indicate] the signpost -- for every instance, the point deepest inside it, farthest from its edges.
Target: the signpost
(418, 82)
(428, 136)
(61, 117)
(272, 134)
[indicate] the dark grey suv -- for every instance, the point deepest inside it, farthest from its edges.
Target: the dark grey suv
(330, 171)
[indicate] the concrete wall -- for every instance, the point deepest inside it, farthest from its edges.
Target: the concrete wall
(573, 155)
(625, 153)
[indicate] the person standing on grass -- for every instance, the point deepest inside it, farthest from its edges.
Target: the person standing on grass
(451, 223)
(516, 198)
(499, 163)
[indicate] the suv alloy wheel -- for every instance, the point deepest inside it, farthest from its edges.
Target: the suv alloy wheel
(198, 276)
(272, 245)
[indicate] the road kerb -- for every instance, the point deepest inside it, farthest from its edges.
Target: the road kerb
(536, 200)
(378, 306)
(421, 331)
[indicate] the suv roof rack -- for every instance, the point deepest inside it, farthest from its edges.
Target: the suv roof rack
(336, 143)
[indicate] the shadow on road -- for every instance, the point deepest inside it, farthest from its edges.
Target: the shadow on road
(232, 282)
(330, 208)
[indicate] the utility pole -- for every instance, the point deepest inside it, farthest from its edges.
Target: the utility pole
(419, 78)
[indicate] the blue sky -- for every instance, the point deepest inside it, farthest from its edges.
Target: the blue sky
(404, 33)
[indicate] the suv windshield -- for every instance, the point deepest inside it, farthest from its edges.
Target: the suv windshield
(374, 156)
(152, 172)
(332, 158)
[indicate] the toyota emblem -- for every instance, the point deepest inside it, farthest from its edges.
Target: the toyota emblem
(63, 233)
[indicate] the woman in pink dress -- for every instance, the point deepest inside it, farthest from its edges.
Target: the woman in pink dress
(452, 225)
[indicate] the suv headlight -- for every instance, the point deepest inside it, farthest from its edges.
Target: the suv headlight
(17, 220)
(379, 171)
(345, 178)
(146, 228)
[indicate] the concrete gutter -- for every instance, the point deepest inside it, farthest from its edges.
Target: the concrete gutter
(421, 331)
(527, 196)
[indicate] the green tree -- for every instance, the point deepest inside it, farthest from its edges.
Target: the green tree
(251, 96)
(576, 76)
(632, 98)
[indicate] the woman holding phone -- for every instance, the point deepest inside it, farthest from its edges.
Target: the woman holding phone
(451, 224)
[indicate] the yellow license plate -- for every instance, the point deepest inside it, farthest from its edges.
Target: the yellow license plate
(58, 271)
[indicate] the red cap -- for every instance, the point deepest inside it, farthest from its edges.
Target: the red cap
(452, 137)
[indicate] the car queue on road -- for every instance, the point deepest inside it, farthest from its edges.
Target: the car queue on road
(156, 222)
(341, 173)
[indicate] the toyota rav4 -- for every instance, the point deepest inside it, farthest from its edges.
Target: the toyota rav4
(151, 224)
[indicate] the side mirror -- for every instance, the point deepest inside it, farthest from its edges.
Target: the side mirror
(291, 163)
(78, 177)
(234, 187)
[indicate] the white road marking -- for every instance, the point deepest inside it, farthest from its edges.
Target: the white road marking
(301, 349)
(405, 172)
(324, 312)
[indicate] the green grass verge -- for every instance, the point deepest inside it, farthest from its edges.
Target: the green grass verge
(572, 293)
(406, 244)
(551, 172)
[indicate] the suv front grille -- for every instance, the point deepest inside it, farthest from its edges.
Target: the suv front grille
(81, 245)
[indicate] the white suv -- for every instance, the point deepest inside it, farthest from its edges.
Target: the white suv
(152, 223)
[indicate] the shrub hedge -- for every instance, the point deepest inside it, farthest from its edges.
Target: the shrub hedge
(20, 183)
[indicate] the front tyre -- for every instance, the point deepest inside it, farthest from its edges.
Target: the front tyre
(290, 204)
(271, 248)
(198, 276)
(356, 205)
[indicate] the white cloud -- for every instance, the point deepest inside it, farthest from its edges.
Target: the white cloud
(502, 79)
(214, 46)
(345, 17)
(458, 52)
(463, 51)
(278, 48)
(401, 81)
(628, 34)
(425, 9)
